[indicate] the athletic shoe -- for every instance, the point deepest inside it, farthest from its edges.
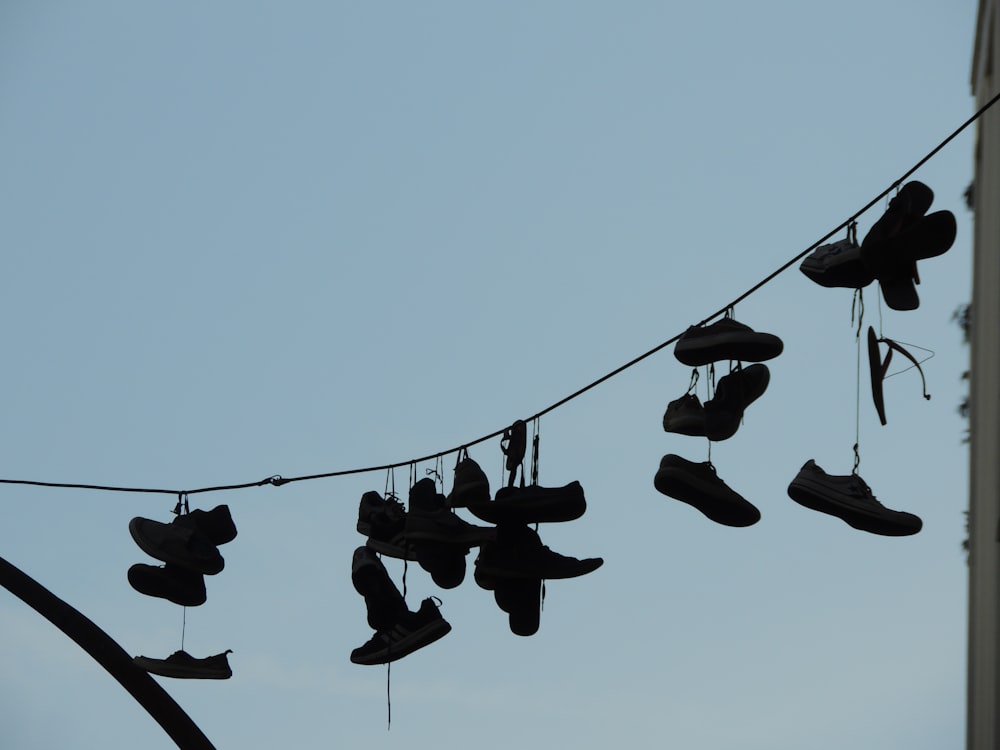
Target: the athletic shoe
(183, 545)
(533, 504)
(851, 500)
(521, 599)
(697, 484)
(518, 553)
(471, 485)
(905, 209)
(170, 582)
(685, 416)
(430, 520)
(444, 561)
(182, 665)
(383, 521)
(734, 393)
(217, 524)
(413, 631)
(837, 265)
(370, 578)
(725, 339)
(895, 262)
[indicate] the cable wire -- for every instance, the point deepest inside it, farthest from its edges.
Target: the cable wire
(277, 480)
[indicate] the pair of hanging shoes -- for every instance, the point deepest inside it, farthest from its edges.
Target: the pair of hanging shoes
(189, 549)
(889, 252)
(720, 417)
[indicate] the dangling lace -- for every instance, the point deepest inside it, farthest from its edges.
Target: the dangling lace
(535, 428)
(692, 386)
(513, 444)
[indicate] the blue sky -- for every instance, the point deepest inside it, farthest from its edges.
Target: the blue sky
(253, 239)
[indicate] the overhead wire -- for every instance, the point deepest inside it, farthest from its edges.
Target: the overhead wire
(277, 480)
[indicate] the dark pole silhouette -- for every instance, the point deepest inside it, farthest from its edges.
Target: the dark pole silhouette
(147, 692)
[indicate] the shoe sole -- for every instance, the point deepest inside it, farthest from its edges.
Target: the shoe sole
(743, 347)
(498, 574)
(158, 667)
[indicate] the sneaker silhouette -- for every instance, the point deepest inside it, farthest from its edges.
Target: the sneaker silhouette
(901, 237)
(411, 632)
(726, 339)
(182, 544)
(471, 485)
(734, 393)
(685, 416)
(697, 484)
(850, 499)
(181, 664)
(383, 521)
(521, 599)
(370, 578)
(171, 582)
(838, 264)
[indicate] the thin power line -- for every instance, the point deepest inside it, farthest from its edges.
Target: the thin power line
(277, 480)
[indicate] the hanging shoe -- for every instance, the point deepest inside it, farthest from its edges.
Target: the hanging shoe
(837, 265)
(413, 631)
(445, 562)
(521, 599)
(697, 484)
(878, 368)
(430, 520)
(518, 553)
(182, 665)
(685, 416)
(471, 485)
(370, 578)
(905, 209)
(851, 500)
(533, 504)
(725, 339)
(183, 545)
(894, 262)
(217, 524)
(734, 393)
(383, 521)
(171, 582)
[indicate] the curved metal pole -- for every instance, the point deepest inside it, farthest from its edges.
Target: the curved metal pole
(109, 655)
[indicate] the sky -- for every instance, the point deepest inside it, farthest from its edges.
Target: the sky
(250, 239)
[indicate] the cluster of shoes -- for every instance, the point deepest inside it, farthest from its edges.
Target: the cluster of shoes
(846, 497)
(719, 418)
(512, 561)
(188, 547)
(904, 234)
